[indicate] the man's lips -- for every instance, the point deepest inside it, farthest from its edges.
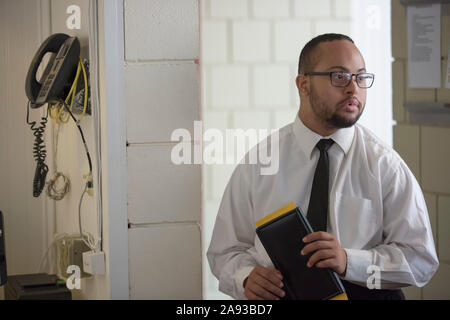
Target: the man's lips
(350, 105)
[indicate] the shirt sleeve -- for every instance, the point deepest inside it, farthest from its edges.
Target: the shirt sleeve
(231, 254)
(407, 255)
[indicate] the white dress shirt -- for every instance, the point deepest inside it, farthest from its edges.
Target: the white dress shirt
(376, 209)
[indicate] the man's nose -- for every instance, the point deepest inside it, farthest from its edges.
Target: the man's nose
(352, 86)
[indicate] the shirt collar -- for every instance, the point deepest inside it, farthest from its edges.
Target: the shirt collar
(308, 138)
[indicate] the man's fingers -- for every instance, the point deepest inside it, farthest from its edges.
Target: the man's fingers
(273, 275)
(276, 272)
(254, 290)
(251, 295)
(319, 235)
(264, 283)
(267, 272)
(327, 263)
(320, 255)
(263, 292)
(317, 245)
(269, 286)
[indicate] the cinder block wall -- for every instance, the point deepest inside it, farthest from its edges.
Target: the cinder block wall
(425, 148)
(249, 58)
(164, 200)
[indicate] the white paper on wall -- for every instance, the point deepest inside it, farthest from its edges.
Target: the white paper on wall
(424, 46)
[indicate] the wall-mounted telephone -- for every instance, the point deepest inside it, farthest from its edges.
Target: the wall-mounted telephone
(59, 74)
(55, 85)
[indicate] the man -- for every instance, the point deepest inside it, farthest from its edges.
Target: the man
(353, 187)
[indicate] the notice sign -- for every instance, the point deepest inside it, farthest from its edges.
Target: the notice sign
(424, 46)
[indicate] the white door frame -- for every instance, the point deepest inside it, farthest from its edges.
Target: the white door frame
(112, 103)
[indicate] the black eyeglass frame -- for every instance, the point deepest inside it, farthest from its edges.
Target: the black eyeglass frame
(330, 74)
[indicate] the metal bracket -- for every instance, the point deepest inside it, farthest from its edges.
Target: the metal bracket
(434, 113)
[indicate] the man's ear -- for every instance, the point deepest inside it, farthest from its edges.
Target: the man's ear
(302, 84)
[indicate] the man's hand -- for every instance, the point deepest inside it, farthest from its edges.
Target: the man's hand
(264, 284)
(328, 253)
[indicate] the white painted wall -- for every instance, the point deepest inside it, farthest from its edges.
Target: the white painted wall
(20, 34)
(164, 200)
(421, 147)
(371, 31)
(72, 157)
(113, 145)
(31, 223)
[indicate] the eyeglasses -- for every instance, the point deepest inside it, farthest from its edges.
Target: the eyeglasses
(342, 79)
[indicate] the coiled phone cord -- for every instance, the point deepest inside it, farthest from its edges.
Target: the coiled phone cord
(39, 153)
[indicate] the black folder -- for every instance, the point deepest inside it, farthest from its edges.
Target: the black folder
(281, 234)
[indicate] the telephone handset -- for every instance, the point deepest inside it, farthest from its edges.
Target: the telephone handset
(59, 72)
(53, 87)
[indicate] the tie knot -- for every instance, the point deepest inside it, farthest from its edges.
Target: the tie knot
(324, 144)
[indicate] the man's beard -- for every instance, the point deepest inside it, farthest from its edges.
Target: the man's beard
(332, 120)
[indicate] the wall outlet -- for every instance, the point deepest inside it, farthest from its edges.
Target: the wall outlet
(94, 262)
(69, 252)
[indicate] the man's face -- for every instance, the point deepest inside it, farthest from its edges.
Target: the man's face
(337, 107)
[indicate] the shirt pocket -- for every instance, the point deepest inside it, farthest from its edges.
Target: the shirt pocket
(358, 223)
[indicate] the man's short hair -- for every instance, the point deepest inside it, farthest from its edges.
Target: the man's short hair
(306, 61)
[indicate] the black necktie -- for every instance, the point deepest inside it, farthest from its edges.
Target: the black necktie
(318, 202)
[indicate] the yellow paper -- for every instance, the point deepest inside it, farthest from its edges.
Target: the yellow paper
(289, 207)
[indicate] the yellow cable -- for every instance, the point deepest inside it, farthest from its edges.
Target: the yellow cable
(73, 89)
(74, 84)
(85, 91)
(72, 92)
(71, 95)
(60, 113)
